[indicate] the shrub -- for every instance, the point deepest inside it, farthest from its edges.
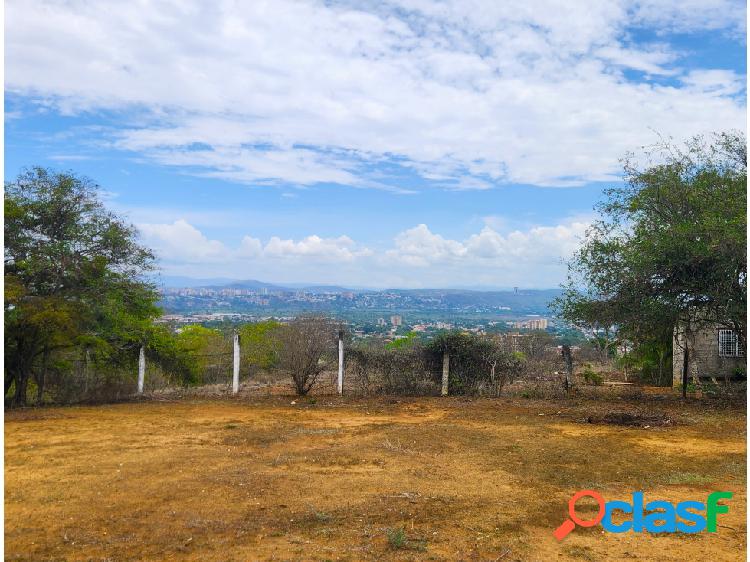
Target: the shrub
(477, 364)
(396, 538)
(591, 376)
(388, 369)
(306, 348)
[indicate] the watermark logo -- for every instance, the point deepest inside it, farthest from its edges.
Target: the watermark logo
(654, 517)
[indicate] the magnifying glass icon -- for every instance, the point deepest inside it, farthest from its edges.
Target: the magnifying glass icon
(569, 524)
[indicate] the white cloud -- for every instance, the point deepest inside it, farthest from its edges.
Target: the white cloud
(250, 247)
(465, 93)
(420, 247)
(689, 15)
(715, 82)
(342, 248)
(531, 257)
(182, 242)
(540, 244)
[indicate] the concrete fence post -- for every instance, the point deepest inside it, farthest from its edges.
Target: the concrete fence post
(340, 380)
(236, 365)
(141, 369)
(446, 371)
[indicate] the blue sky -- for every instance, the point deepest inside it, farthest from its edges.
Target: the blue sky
(411, 144)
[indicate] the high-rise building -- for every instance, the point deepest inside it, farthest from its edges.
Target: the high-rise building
(396, 320)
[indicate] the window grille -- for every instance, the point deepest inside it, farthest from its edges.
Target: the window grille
(729, 344)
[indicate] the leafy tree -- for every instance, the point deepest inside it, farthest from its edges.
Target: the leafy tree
(670, 248)
(260, 344)
(408, 340)
(73, 277)
(206, 350)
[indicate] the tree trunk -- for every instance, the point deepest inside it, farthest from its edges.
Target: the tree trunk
(41, 378)
(661, 366)
(22, 383)
(10, 376)
(685, 360)
(568, 357)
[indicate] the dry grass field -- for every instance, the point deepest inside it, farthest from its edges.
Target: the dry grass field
(377, 479)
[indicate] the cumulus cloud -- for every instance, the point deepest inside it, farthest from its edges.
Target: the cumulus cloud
(465, 94)
(416, 257)
(342, 248)
(540, 244)
(180, 243)
(420, 247)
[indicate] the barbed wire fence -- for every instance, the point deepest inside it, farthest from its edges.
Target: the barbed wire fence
(352, 368)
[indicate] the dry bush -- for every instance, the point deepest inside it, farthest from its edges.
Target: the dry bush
(401, 370)
(307, 347)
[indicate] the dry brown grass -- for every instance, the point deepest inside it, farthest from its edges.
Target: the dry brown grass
(262, 479)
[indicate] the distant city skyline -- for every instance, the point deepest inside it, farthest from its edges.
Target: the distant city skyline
(377, 145)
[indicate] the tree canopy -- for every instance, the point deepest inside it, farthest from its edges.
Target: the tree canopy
(670, 245)
(74, 278)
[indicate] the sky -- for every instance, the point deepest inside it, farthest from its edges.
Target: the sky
(368, 144)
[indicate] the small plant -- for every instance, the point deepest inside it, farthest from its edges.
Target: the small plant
(396, 538)
(532, 393)
(321, 516)
(591, 376)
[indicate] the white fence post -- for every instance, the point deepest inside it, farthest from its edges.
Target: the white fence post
(446, 371)
(141, 369)
(236, 365)
(340, 385)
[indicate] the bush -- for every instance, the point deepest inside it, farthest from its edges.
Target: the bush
(478, 364)
(390, 369)
(306, 348)
(591, 376)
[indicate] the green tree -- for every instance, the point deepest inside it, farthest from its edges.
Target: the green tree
(670, 248)
(206, 350)
(73, 277)
(259, 344)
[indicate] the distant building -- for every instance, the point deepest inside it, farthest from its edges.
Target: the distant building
(538, 324)
(396, 320)
(533, 324)
(381, 321)
(714, 351)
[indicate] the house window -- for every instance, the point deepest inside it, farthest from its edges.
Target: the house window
(729, 344)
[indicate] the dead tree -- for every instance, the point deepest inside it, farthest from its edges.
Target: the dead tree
(306, 349)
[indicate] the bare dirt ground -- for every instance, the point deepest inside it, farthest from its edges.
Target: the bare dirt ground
(330, 479)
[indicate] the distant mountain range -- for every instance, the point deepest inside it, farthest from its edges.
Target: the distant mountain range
(176, 281)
